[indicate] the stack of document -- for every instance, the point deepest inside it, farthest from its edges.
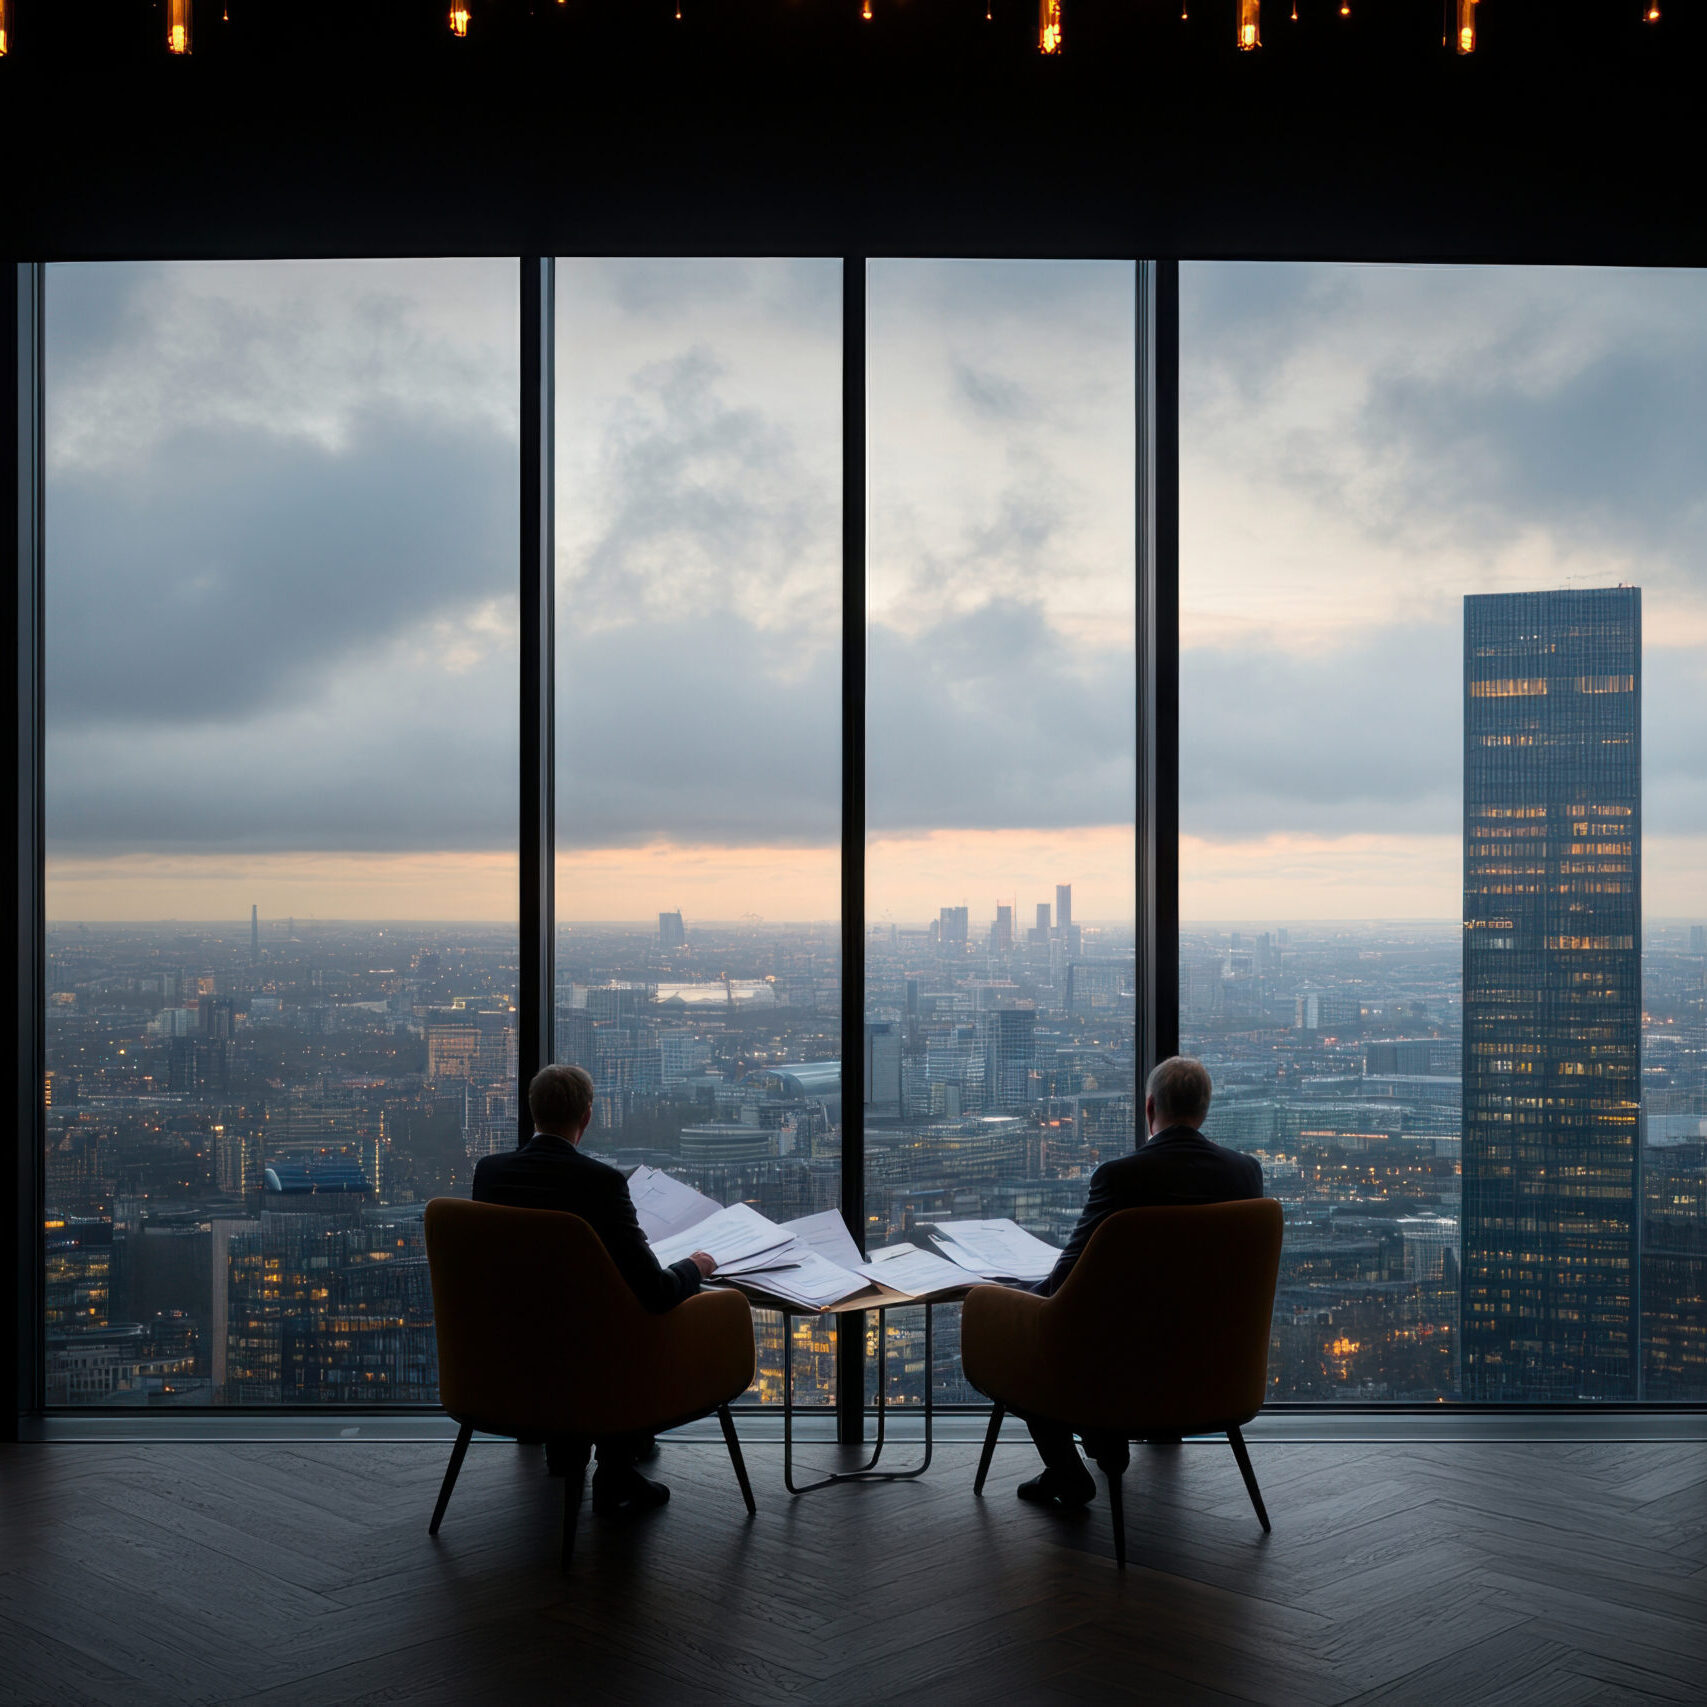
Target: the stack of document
(812, 1263)
(994, 1250)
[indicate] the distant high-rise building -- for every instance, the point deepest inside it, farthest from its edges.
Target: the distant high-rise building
(255, 932)
(1552, 995)
(1002, 931)
(1040, 930)
(1698, 939)
(671, 932)
(953, 927)
(1009, 1038)
(1063, 907)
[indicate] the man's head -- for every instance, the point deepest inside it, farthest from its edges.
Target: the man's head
(560, 1099)
(1177, 1094)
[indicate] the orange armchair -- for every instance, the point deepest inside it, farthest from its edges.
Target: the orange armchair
(1161, 1328)
(539, 1335)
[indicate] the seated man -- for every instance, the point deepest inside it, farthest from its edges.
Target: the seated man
(1178, 1165)
(549, 1172)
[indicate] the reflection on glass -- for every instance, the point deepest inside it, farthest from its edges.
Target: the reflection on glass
(281, 875)
(1001, 770)
(1441, 838)
(699, 730)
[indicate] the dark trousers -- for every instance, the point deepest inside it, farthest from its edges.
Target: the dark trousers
(1054, 1443)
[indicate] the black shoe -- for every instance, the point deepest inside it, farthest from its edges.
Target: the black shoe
(645, 1448)
(1054, 1488)
(626, 1490)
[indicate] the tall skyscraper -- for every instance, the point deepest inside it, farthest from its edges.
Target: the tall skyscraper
(1063, 907)
(1552, 995)
(671, 931)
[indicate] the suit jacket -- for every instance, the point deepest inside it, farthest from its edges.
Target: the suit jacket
(550, 1173)
(1178, 1165)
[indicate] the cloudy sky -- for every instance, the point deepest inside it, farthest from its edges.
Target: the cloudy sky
(282, 644)
(1361, 447)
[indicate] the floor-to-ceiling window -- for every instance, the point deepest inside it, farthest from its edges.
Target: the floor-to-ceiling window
(1441, 785)
(1001, 746)
(699, 707)
(281, 649)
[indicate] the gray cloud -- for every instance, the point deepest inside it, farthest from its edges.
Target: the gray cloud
(701, 503)
(995, 720)
(1614, 453)
(1366, 738)
(231, 572)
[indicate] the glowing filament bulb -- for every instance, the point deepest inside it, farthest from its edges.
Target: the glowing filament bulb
(1295, 11)
(865, 11)
(1652, 15)
(458, 19)
(178, 22)
(4, 21)
(1249, 25)
(1461, 24)
(1048, 26)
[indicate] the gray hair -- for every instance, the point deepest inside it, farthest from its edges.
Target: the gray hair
(1181, 1088)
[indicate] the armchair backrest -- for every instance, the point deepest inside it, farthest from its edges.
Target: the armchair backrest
(1164, 1321)
(530, 1311)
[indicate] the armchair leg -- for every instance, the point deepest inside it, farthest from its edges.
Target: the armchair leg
(1237, 1441)
(733, 1442)
(997, 1412)
(1115, 1470)
(574, 1485)
(457, 1453)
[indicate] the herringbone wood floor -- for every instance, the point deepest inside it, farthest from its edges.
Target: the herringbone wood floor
(1473, 1573)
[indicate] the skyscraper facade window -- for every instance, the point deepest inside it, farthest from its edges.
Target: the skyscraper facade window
(1552, 1192)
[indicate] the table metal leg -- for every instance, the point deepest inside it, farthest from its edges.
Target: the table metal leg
(868, 1471)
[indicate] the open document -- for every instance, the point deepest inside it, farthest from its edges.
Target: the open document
(920, 1274)
(811, 1281)
(729, 1235)
(995, 1250)
(666, 1206)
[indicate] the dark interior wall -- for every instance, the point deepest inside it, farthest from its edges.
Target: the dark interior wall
(789, 126)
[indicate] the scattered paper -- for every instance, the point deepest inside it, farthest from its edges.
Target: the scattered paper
(920, 1274)
(729, 1235)
(813, 1282)
(827, 1234)
(997, 1250)
(666, 1206)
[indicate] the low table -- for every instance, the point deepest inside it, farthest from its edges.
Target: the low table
(881, 1299)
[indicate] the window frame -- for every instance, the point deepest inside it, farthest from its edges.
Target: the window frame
(1156, 806)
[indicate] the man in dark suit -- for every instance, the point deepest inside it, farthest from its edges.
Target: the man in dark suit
(549, 1172)
(1178, 1165)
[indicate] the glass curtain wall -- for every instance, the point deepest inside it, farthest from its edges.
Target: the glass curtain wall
(1002, 757)
(1443, 599)
(281, 627)
(699, 705)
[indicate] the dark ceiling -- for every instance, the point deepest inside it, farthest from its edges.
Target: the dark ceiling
(792, 126)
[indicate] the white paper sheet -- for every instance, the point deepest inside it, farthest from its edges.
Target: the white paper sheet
(730, 1235)
(814, 1282)
(998, 1250)
(920, 1274)
(666, 1206)
(827, 1234)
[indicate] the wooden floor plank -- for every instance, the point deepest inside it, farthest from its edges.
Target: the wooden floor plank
(1564, 1576)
